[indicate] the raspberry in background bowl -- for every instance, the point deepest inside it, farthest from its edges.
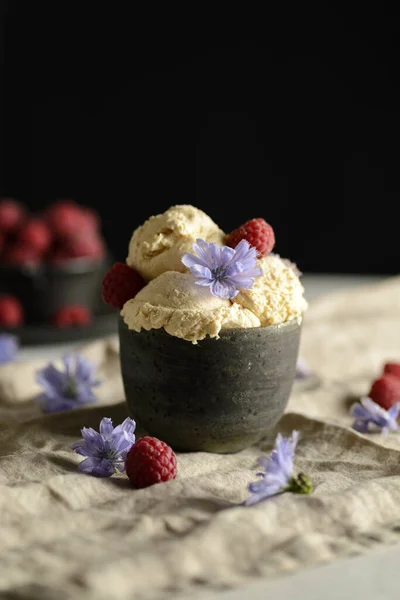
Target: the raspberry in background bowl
(51, 260)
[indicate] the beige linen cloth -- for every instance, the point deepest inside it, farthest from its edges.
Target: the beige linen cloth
(66, 535)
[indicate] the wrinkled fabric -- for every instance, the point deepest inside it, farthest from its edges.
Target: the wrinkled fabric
(67, 535)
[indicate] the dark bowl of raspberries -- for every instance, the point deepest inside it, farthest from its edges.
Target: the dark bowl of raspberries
(51, 264)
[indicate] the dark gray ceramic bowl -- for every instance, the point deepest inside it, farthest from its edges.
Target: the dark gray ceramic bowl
(44, 289)
(217, 396)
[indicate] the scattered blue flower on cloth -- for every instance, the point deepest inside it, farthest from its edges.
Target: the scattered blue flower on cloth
(106, 451)
(8, 347)
(69, 388)
(224, 270)
(278, 476)
(303, 370)
(368, 415)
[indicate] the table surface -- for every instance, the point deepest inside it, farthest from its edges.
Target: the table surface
(373, 576)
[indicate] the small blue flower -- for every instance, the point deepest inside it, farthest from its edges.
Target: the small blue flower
(369, 415)
(107, 450)
(224, 270)
(8, 347)
(278, 476)
(68, 388)
(303, 370)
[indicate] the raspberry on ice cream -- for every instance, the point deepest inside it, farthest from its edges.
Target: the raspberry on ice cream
(150, 461)
(72, 316)
(11, 311)
(11, 215)
(257, 232)
(120, 284)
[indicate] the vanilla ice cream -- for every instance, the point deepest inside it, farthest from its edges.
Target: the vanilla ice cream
(276, 296)
(174, 301)
(159, 244)
(184, 309)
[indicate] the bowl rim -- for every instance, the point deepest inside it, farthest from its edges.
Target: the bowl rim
(289, 325)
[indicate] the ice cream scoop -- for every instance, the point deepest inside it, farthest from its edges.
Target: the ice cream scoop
(185, 310)
(159, 244)
(276, 296)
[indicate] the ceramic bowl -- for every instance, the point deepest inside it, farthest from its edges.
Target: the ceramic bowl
(44, 289)
(216, 396)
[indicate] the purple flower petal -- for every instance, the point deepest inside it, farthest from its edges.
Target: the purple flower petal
(244, 251)
(223, 289)
(204, 282)
(201, 272)
(242, 281)
(69, 388)
(368, 414)
(394, 411)
(203, 251)
(303, 370)
(67, 360)
(106, 450)
(8, 347)
(106, 427)
(226, 255)
(99, 467)
(225, 270)
(360, 426)
(121, 443)
(189, 260)
(53, 405)
(94, 440)
(128, 426)
(278, 469)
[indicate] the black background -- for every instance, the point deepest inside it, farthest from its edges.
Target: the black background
(290, 116)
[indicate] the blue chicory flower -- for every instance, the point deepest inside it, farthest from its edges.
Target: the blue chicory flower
(8, 347)
(278, 476)
(68, 388)
(105, 451)
(224, 270)
(369, 415)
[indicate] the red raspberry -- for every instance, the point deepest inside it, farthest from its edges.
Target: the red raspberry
(257, 232)
(11, 311)
(11, 214)
(36, 234)
(150, 461)
(66, 219)
(72, 316)
(21, 254)
(120, 284)
(385, 391)
(392, 369)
